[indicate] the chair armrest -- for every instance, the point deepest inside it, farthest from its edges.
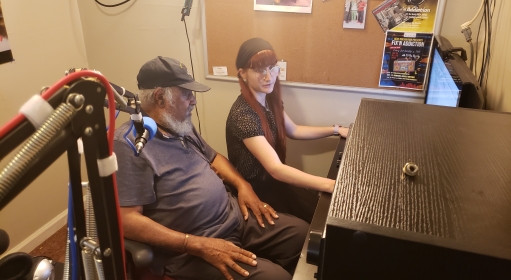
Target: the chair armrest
(141, 253)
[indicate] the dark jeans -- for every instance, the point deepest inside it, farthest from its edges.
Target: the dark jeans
(277, 249)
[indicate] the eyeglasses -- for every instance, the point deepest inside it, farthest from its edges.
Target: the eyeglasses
(274, 71)
(188, 94)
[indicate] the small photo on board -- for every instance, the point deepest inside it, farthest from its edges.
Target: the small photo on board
(389, 14)
(289, 6)
(354, 14)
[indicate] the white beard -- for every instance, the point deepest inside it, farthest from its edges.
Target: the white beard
(179, 127)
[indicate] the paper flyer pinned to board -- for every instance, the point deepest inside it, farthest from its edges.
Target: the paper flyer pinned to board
(405, 59)
(407, 15)
(283, 69)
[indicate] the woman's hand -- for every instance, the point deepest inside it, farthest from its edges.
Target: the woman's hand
(343, 131)
(221, 254)
(246, 195)
(248, 199)
(328, 185)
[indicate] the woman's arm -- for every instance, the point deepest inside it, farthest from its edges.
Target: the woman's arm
(301, 132)
(247, 198)
(267, 156)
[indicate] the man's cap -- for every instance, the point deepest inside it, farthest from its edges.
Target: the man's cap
(167, 72)
(249, 48)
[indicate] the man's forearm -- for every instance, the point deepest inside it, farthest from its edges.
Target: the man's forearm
(226, 171)
(142, 229)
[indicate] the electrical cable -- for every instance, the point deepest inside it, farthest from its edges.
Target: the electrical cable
(488, 7)
(11, 124)
(484, 81)
(471, 56)
(193, 73)
(468, 23)
(189, 48)
(477, 48)
(116, 115)
(486, 44)
(61, 83)
(128, 140)
(114, 5)
(476, 73)
(465, 29)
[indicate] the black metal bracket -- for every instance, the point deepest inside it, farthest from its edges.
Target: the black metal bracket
(89, 124)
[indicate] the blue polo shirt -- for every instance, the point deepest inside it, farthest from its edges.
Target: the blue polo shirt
(173, 181)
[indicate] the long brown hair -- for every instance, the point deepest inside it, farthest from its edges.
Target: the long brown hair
(264, 59)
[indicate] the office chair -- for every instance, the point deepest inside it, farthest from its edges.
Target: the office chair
(138, 257)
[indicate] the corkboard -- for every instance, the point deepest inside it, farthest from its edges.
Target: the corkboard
(317, 48)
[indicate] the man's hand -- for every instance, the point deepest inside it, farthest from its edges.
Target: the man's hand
(221, 254)
(248, 199)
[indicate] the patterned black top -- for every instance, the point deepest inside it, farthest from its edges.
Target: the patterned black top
(242, 123)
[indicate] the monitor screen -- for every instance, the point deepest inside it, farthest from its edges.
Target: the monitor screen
(450, 82)
(444, 87)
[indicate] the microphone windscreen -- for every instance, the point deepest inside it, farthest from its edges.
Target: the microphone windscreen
(150, 126)
(15, 266)
(4, 241)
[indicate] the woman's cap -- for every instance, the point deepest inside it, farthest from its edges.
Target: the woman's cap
(167, 72)
(249, 48)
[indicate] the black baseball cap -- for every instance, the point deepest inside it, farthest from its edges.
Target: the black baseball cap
(167, 72)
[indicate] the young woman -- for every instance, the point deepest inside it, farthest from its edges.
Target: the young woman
(256, 131)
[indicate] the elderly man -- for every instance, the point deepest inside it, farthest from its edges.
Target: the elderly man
(173, 195)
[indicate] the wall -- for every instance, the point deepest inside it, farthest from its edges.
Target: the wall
(456, 13)
(498, 85)
(119, 40)
(46, 40)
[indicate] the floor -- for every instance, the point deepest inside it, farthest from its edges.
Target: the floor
(54, 247)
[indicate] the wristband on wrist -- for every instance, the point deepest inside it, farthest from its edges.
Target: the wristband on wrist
(336, 130)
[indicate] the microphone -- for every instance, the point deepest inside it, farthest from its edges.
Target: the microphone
(126, 93)
(121, 104)
(186, 9)
(118, 98)
(13, 266)
(4, 241)
(145, 129)
(125, 109)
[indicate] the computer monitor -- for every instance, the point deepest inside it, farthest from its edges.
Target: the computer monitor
(450, 81)
(444, 88)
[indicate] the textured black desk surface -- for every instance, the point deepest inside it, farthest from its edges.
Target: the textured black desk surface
(461, 196)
